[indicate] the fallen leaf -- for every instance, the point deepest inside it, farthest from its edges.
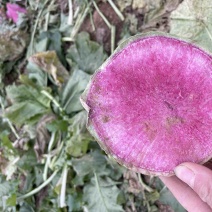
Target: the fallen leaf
(42, 135)
(138, 4)
(13, 42)
(123, 4)
(192, 20)
(156, 14)
(50, 63)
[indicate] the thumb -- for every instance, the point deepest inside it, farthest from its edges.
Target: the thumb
(199, 178)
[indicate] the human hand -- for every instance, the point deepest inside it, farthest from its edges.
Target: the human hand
(192, 186)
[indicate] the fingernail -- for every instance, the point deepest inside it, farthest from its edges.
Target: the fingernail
(185, 174)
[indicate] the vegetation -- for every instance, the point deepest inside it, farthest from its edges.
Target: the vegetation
(48, 51)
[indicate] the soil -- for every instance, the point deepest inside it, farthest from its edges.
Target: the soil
(102, 33)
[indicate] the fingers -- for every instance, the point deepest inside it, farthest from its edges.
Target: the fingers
(199, 178)
(185, 195)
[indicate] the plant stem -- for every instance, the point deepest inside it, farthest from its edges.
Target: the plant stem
(80, 21)
(91, 20)
(13, 129)
(36, 190)
(35, 28)
(207, 30)
(46, 166)
(63, 187)
(51, 142)
(110, 26)
(101, 14)
(53, 100)
(70, 16)
(67, 39)
(8, 121)
(146, 187)
(113, 37)
(145, 202)
(99, 190)
(48, 159)
(117, 11)
(76, 12)
(46, 21)
(55, 158)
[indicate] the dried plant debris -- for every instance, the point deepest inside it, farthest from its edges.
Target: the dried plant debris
(156, 14)
(13, 42)
(124, 4)
(42, 135)
(99, 30)
(50, 63)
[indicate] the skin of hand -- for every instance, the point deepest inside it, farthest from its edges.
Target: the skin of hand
(192, 186)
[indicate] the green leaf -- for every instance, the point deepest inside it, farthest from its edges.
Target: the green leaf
(74, 202)
(11, 201)
(56, 125)
(27, 161)
(36, 74)
(100, 196)
(90, 163)
(166, 197)
(72, 90)
(116, 170)
(7, 187)
(77, 143)
(153, 196)
(85, 55)
(22, 113)
(51, 40)
(26, 207)
(77, 146)
(6, 143)
(78, 123)
(192, 20)
(28, 103)
(65, 28)
(5, 68)
(19, 94)
(4, 125)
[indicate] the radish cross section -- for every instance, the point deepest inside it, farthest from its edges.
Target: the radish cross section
(150, 104)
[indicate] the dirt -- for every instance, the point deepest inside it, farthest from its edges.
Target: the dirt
(136, 21)
(102, 33)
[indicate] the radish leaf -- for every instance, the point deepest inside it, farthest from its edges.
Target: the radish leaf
(100, 196)
(86, 55)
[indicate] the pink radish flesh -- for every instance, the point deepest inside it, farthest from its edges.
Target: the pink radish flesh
(150, 105)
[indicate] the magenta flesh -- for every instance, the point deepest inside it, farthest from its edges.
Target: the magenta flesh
(150, 105)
